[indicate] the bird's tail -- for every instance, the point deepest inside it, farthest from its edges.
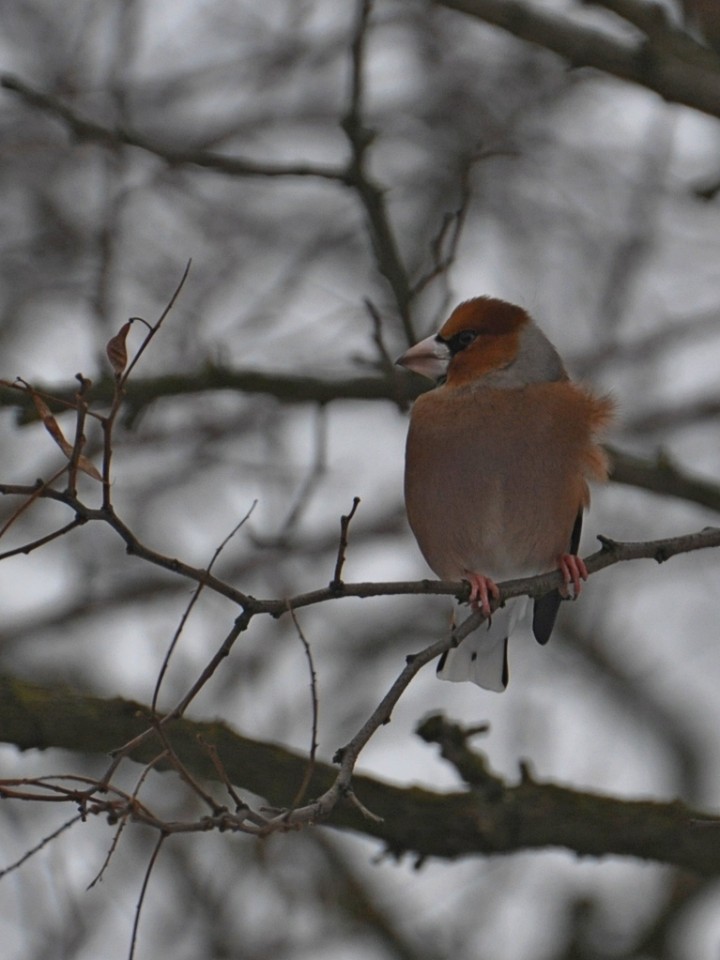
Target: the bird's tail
(482, 656)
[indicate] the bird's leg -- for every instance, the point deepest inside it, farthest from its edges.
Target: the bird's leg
(481, 589)
(574, 571)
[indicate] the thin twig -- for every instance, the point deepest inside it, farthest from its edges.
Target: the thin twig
(193, 600)
(384, 242)
(108, 422)
(41, 541)
(113, 137)
(241, 807)
(79, 442)
(122, 822)
(154, 329)
(110, 853)
(143, 891)
(40, 845)
(316, 470)
(126, 749)
(310, 769)
(387, 364)
(444, 245)
(38, 491)
(185, 775)
(239, 627)
(336, 584)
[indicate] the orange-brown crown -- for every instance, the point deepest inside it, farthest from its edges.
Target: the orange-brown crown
(496, 325)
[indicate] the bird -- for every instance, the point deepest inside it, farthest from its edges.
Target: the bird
(497, 463)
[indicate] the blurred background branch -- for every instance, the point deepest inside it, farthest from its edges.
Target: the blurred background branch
(341, 176)
(491, 817)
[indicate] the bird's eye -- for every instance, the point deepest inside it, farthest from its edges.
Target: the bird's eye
(461, 340)
(458, 341)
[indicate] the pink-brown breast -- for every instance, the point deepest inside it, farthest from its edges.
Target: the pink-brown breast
(495, 478)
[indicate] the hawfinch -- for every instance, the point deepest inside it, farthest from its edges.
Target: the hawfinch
(496, 469)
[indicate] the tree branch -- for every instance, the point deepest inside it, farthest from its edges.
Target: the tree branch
(662, 475)
(661, 61)
(88, 130)
(286, 388)
(492, 817)
(656, 475)
(611, 552)
(384, 242)
(343, 785)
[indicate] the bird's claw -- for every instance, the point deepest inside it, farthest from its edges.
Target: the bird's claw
(574, 571)
(481, 590)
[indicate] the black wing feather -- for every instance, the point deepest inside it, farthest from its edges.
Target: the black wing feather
(545, 608)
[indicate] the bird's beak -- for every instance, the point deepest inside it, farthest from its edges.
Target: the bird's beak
(429, 358)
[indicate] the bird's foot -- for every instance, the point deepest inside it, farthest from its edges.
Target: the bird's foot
(481, 590)
(574, 571)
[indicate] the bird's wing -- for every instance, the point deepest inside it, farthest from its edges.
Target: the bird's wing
(545, 608)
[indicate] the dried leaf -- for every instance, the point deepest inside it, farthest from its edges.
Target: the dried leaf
(53, 428)
(49, 422)
(116, 349)
(88, 467)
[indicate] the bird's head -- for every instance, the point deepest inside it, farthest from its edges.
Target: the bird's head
(486, 337)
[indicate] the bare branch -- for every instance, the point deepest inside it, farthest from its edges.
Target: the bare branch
(302, 790)
(143, 890)
(154, 329)
(287, 388)
(496, 817)
(336, 582)
(308, 485)
(114, 137)
(41, 541)
(121, 380)
(611, 553)
(384, 242)
(662, 65)
(40, 845)
(76, 456)
(386, 362)
(193, 600)
(662, 475)
(675, 416)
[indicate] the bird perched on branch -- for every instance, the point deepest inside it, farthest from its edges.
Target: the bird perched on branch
(497, 461)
